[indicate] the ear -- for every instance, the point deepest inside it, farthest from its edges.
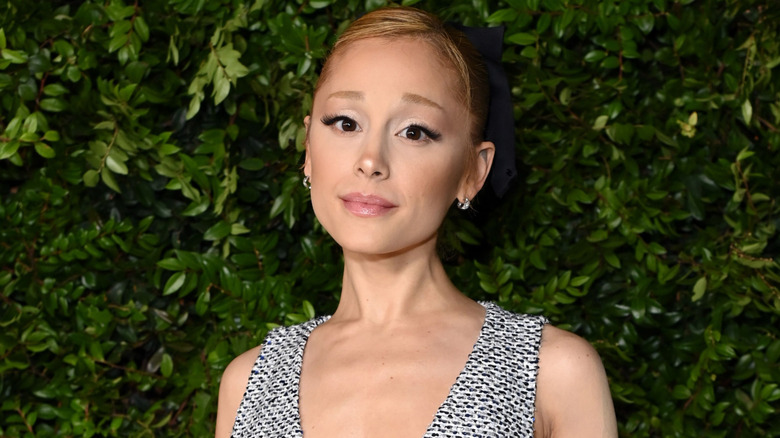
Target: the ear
(307, 160)
(480, 168)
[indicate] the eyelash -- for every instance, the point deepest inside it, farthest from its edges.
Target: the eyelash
(430, 134)
(330, 120)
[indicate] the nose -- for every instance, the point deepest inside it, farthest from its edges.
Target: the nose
(372, 161)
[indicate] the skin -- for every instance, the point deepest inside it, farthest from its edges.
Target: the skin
(385, 361)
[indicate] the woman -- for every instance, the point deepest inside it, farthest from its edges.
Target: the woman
(393, 139)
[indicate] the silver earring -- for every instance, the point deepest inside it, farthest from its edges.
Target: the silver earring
(465, 204)
(307, 181)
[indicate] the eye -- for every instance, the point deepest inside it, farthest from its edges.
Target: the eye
(419, 133)
(342, 123)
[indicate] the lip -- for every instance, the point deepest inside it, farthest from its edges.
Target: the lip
(366, 205)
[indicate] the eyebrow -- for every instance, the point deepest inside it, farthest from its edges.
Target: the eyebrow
(407, 97)
(352, 95)
(416, 98)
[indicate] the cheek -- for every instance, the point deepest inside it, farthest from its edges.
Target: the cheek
(436, 179)
(327, 171)
(323, 158)
(322, 176)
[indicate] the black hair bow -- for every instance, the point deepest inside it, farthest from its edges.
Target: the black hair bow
(500, 127)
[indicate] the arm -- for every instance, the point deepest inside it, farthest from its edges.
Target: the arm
(231, 390)
(573, 398)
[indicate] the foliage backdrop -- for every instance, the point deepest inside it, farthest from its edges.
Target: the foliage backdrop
(153, 224)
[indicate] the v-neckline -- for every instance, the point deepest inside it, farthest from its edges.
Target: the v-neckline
(313, 324)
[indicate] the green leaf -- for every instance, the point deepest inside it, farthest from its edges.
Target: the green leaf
(529, 52)
(620, 133)
(44, 150)
(12, 130)
(96, 351)
(166, 365)
(221, 89)
(466, 237)
(53, 104)
(601, 122)
(237, 229)
(116, 165)
(73, 73)
(579, 280)
(251, 164)
(612, 260)
(218, 231)
(279, 205)
(29, 137)
(108, 179)
(54, 90)
(699, 288)
(773, 351)
(174, 283)
(745, 154)
(610, 62)
(665, 138)
(194, 107)
(747, 111)
(91, 178)
(536, 260)
(598, 236)
(197, 207)
(522, 39)
(488, 287)
(14, 56)
(577, 195)
(595, 56)
(141, 28)
(51, 136)
(118, 42)
(8, 149)
(645, 22)
(308, 309)
(171, 264)
(681, 392)
(565, 96)
(195, 171)
(502, 16)
(545, 19)
(562, 298)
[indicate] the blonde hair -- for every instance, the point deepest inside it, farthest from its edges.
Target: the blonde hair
(452, 46)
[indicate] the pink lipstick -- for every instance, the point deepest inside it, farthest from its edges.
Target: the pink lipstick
(366, 205)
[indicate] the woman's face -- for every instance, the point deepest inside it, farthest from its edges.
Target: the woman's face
(387, 147)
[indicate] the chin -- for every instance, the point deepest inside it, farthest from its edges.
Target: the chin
(387, 246)
(381, 236)
(367, 246)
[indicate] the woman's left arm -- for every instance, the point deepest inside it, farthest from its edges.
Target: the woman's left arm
(572, 397)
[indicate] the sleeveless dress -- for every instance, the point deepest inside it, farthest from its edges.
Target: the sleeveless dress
(493, 396)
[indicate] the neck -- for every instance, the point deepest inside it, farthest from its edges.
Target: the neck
(385, 288)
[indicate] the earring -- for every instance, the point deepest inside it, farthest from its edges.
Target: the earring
(307, 181)
(465, 204)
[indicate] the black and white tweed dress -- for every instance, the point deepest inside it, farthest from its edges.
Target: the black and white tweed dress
(493, 396)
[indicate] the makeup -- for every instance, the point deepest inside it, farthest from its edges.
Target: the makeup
(367, 205)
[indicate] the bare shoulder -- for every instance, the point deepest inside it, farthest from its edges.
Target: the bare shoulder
(231, 390)
(562, 350)
(573, 397)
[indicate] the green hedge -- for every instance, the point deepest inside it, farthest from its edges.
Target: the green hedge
(153, 224)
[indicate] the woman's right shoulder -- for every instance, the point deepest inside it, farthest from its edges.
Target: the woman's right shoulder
(238, 369)
(231, 389)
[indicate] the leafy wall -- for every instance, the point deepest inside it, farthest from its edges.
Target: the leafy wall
(153, 224)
